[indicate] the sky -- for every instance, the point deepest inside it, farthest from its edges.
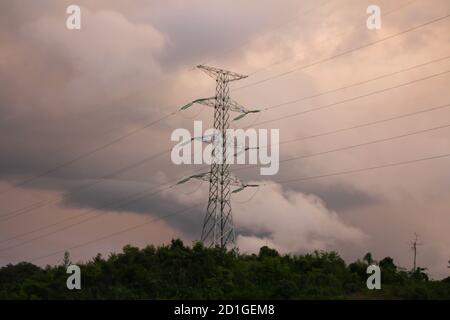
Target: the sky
(85, 126)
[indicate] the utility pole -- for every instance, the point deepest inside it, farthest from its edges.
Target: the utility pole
(414, 246)
(218, 228)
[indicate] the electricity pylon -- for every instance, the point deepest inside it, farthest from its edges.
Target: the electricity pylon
(414, 245)
(218, 228)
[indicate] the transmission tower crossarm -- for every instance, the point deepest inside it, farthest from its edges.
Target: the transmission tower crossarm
(210, 102)
(232, 179)
(235, 181)
(200, 176)
(213, 72)
(244, 186)
(236, 107)
(230, 104)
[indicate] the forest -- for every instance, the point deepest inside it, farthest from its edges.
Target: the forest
(178, 271)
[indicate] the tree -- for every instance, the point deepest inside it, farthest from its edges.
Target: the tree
(368, 258)
(388, 264)
(66, 259)
(268, 252)
(419, 274)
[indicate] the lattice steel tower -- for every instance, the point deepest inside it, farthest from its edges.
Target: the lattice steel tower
(218, 229)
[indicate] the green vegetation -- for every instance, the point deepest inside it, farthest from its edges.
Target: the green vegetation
(180, 272)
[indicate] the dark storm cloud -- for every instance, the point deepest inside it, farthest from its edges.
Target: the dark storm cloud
(137, 197)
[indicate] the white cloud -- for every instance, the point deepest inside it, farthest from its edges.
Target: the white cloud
(294, 221)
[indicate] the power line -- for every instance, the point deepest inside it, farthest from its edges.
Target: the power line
(110, 205)
(119, 205)
(100, 180)
(341, 54)
(86, 154)
(355, 145)
(389, 165)
(385, 14)
(326, 106)
(114, 205)
(356, 83)
(136, 226)
(366, 124)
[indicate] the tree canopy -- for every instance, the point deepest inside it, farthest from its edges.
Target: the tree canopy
(177, 271)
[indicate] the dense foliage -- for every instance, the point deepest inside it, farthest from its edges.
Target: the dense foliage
(180, 272)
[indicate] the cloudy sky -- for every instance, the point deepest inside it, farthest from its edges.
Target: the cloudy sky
(83, 161)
